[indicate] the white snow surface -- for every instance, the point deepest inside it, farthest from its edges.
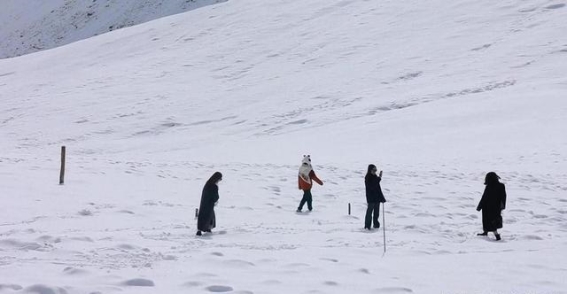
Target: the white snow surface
(436, 93)
(28, 26)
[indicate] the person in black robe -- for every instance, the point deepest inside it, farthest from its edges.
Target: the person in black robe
(206, 220)
(374, 197)
(492, 203)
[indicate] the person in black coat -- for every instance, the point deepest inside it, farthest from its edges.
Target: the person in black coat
(492, 203)
(206, 220)
(374, 196)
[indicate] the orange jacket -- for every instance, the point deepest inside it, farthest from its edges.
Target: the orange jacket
(304, 184)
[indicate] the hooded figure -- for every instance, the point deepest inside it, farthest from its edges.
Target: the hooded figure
(305, 182)
(374, 197)
(492, 203)
(206, 220)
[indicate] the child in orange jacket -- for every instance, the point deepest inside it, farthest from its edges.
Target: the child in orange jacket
(305, 182)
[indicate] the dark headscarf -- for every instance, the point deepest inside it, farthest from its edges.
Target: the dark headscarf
(491, 179)
(217, 176)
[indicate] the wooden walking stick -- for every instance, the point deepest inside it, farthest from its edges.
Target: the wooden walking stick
(384, 224)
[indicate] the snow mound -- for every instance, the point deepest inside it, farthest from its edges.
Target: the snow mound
(43, 289)
(139, 283)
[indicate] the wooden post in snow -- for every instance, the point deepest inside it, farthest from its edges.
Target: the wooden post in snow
(62, 173)
(349, 208)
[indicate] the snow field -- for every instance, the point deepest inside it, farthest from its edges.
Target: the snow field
(144, 240)
(436, 94)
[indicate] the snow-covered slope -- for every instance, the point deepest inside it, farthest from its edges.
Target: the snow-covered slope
(317, 73)
(28, 26)
(435, 93)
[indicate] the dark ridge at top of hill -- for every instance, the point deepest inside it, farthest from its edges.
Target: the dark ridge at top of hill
(34, 25)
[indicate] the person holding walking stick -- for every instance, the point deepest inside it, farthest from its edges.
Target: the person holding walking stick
(206, 219)
(374, 197)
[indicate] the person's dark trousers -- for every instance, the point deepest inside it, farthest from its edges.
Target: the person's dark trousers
(373, 207)
(306, 198)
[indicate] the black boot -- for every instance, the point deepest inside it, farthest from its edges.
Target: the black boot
(199, 233)
(497, 237)
(482, 234)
